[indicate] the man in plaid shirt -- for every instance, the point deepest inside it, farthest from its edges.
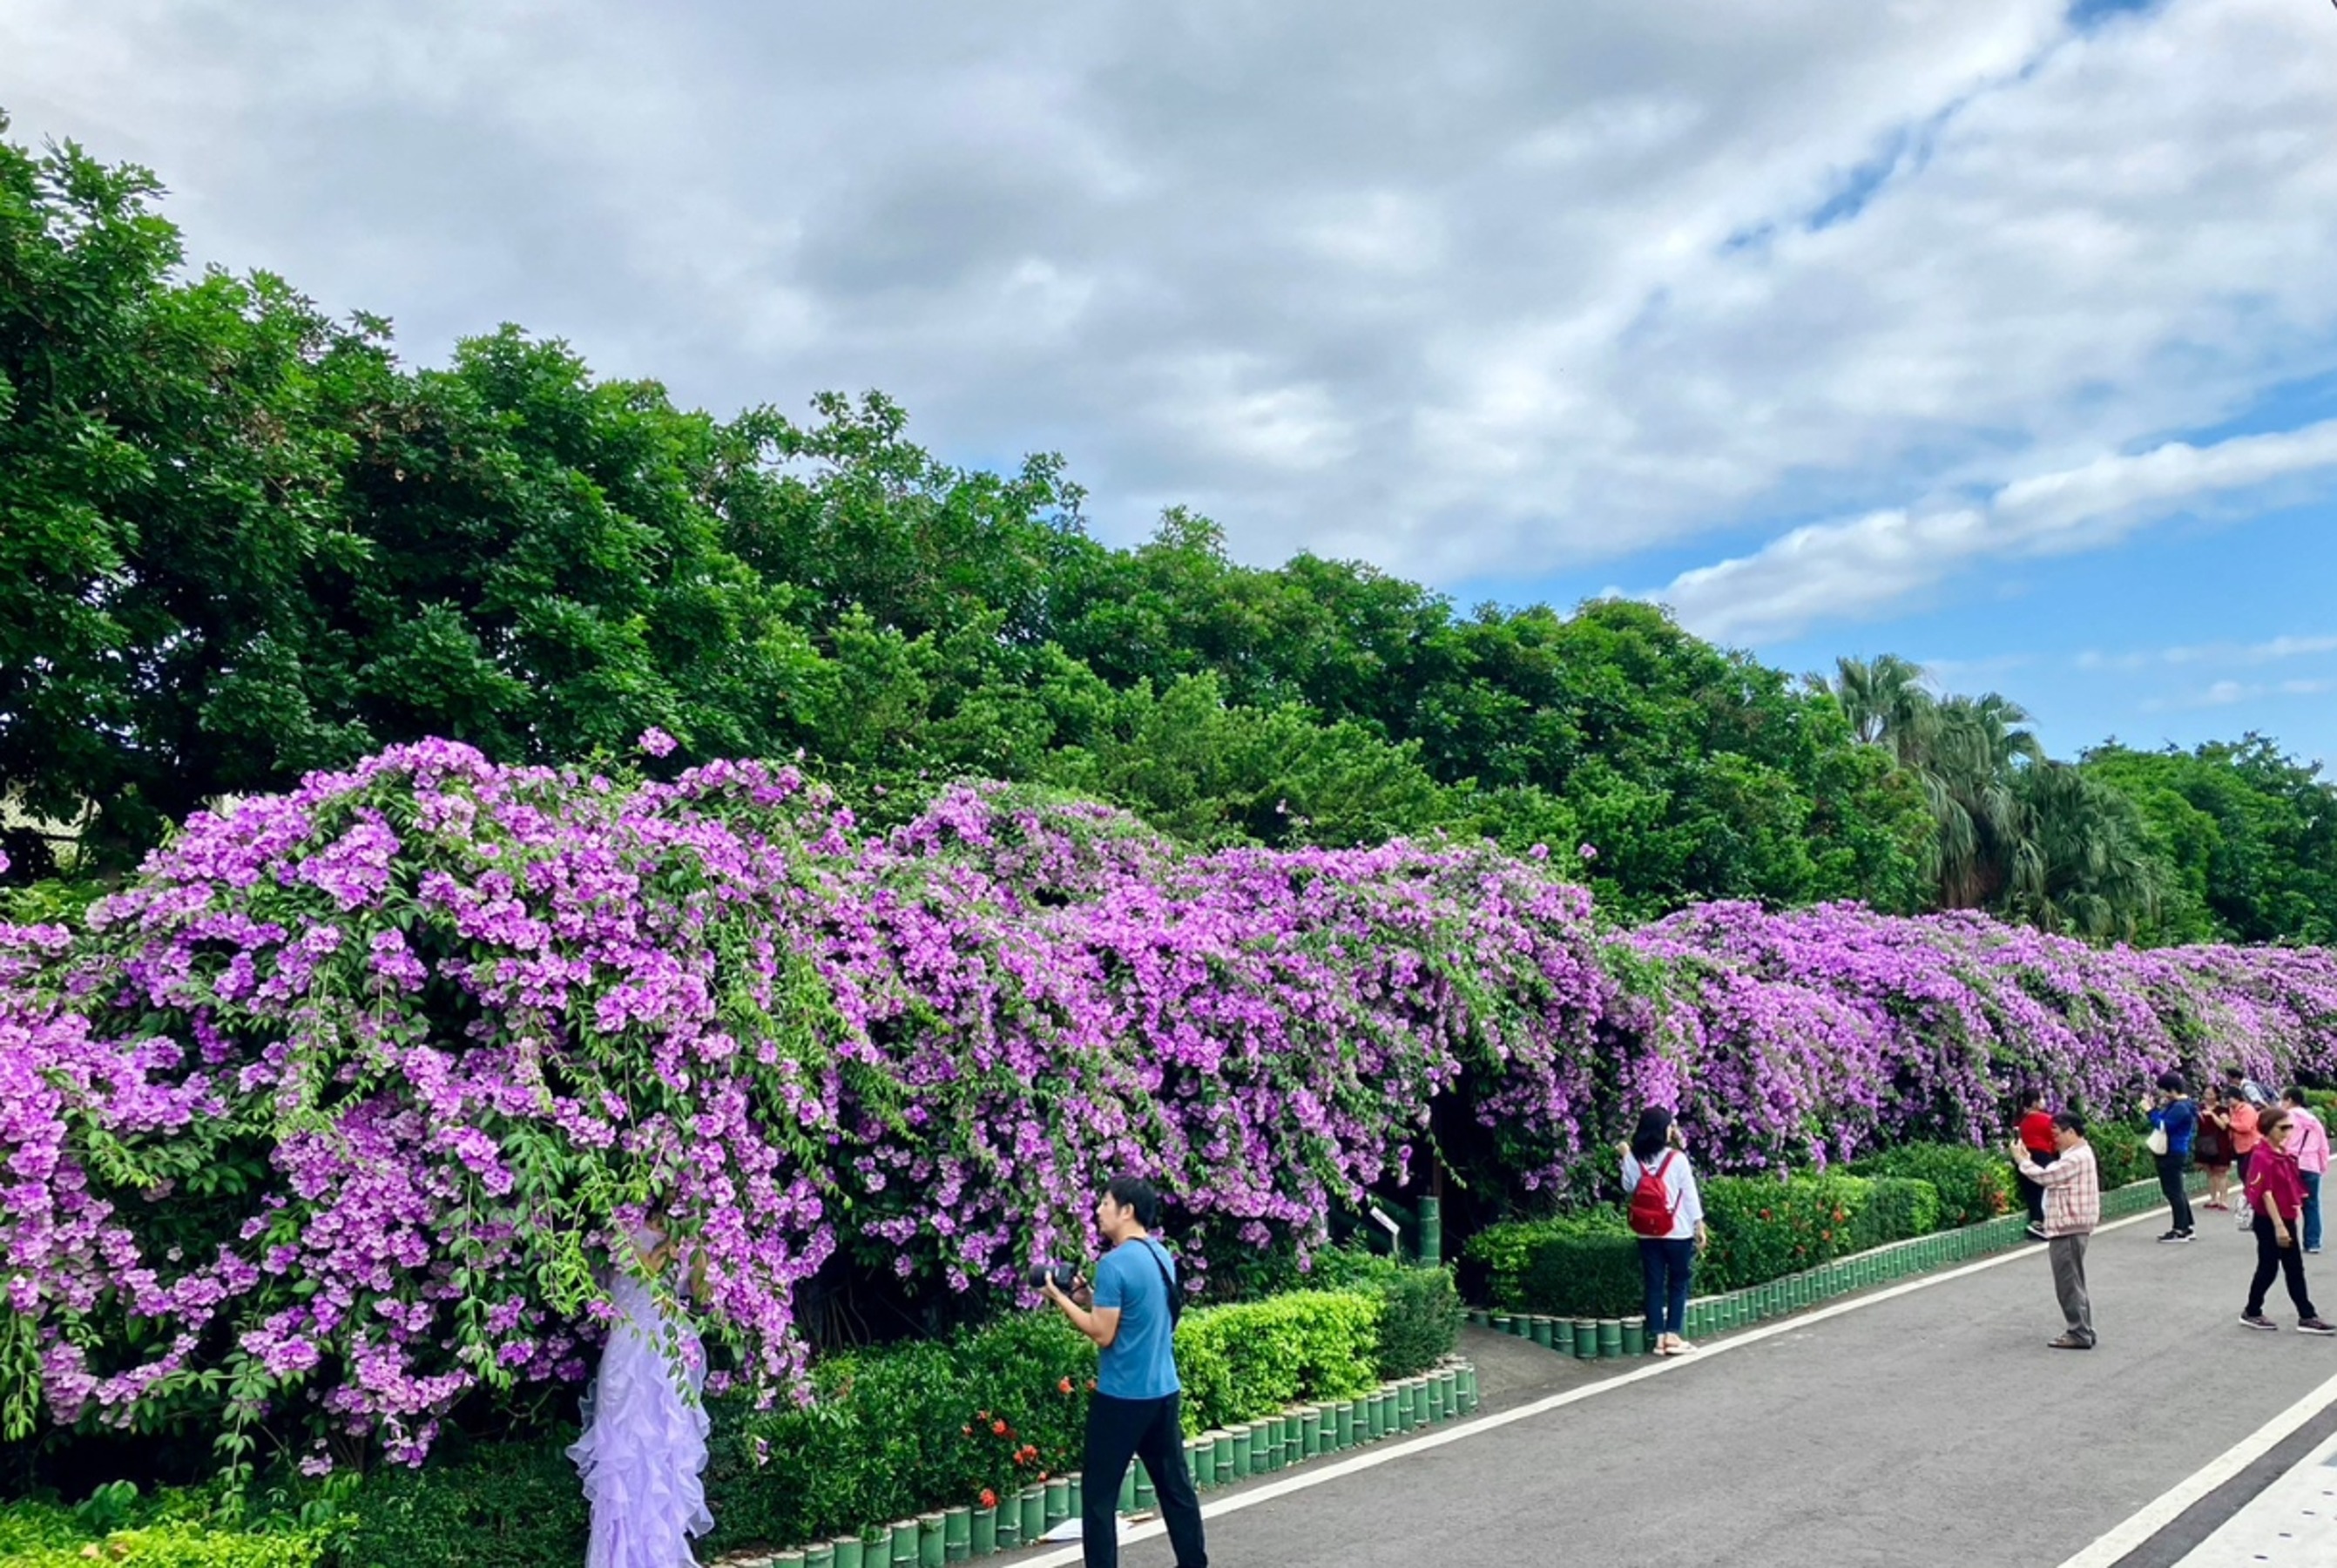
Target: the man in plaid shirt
(2073, 1207)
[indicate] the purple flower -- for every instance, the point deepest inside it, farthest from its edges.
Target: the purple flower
(656, 743)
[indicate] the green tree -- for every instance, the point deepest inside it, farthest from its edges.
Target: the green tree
(2250, 834)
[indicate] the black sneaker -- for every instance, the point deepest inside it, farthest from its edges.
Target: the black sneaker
(2314, 1325)
(2174, 1236)
(2258, 1320)
(2037, 1232)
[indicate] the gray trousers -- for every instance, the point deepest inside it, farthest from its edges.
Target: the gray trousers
(2068, 1257)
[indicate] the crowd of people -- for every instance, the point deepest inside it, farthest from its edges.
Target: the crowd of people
(2278, 1151)
(2264, 1159)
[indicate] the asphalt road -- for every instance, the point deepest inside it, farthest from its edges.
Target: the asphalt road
(1928, 1428)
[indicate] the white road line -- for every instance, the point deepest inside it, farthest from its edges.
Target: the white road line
(2157, 1515)
(2291, 1523)
(1437, 1437)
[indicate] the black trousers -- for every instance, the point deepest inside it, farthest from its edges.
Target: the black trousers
(2032, 1193)
(2271, 1259)
(2172, 1169)
(1119, 1430)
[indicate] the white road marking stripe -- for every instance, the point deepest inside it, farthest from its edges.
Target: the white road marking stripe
(2162, 1510)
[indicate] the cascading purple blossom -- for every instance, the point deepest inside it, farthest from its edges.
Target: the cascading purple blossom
(340, 1105)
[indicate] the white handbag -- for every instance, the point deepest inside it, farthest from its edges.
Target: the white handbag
(2156, 1141)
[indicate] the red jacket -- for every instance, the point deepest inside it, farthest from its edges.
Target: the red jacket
(2272, 1172)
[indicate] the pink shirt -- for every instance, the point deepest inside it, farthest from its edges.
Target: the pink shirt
(2308, 1142)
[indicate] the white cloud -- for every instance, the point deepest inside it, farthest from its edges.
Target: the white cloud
(2232, 693)
(1856, 569)
(2270, 651)
(1492, 296)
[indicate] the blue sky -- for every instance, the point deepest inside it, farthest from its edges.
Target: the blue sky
(1995, 333)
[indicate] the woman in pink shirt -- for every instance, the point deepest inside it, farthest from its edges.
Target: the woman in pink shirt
(2275, 1202)
(2310, 1143)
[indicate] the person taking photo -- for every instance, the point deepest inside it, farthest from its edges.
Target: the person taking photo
(1134, 1412)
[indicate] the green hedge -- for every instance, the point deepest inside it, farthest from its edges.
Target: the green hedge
(1420, 1320)
(37, 1534)
(513, 1505)
(1252, 1358)
(1974, 1184)
(1760, 1229)
(1763, 1227)
(2120, 1156)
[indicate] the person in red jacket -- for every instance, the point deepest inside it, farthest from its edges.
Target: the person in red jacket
(2037, 1138)
(2276, 1203)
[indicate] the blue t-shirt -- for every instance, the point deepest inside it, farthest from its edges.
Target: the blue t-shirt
(2180, 1118)
(1140, 1363)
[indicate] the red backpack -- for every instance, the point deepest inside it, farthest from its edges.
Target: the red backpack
(1651, 1203)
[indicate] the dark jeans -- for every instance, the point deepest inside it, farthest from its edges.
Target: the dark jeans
(2273, 1258)
(2032, 1193)
(2311, 1210)
(2172, 1168)
(1664, 1269)
(1119, 1430)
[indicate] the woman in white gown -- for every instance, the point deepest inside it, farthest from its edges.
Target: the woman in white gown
(645, 1427)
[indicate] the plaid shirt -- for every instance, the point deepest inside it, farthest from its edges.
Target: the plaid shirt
(2073, 1191)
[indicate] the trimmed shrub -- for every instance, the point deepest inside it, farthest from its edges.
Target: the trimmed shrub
(2120, 1155)
(1585, 1270)
(44, 1535)
(1420, 1316)
(1576, 1266)
(1252, 1358)
(1973, 1184)
(1763, 1228)
(511, 1504)
(1897, 1208)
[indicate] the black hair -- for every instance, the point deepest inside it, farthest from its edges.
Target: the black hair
(2171, 1081)
(2233, 1072)
(2293, 1095)
(1135, 1193)
(2070, 1121)
(2031, 1097)
(1655, 1130)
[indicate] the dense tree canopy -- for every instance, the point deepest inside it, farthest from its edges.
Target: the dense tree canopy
(239, 540)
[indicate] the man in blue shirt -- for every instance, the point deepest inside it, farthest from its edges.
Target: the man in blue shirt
(1133, 1413)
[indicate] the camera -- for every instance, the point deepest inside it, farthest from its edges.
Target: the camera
(1061, 1273)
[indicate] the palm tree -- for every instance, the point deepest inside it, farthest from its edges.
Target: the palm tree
(1964, 754)
(2094, 872)
(1884, 699)
(1976, 747)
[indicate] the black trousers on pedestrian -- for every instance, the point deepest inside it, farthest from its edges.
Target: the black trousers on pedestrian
(2172, 1169)
(2271, 1259)
(1147, 1429)
(2032, 1193)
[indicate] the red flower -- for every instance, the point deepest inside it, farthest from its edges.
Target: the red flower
(989, 1498)
(998, 1428)
(1064, 1386)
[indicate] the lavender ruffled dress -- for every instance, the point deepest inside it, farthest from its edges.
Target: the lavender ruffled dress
(644, 1442)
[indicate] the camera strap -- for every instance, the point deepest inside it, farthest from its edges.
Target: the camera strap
(1167, 1284)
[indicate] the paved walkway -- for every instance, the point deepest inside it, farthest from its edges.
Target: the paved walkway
(1915, 1427)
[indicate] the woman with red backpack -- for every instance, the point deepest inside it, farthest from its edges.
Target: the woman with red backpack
(1668, 1217)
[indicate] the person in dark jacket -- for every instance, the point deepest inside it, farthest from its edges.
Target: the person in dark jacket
(2174, 1115)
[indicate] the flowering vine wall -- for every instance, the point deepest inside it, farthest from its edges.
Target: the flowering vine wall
(335, 1115)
